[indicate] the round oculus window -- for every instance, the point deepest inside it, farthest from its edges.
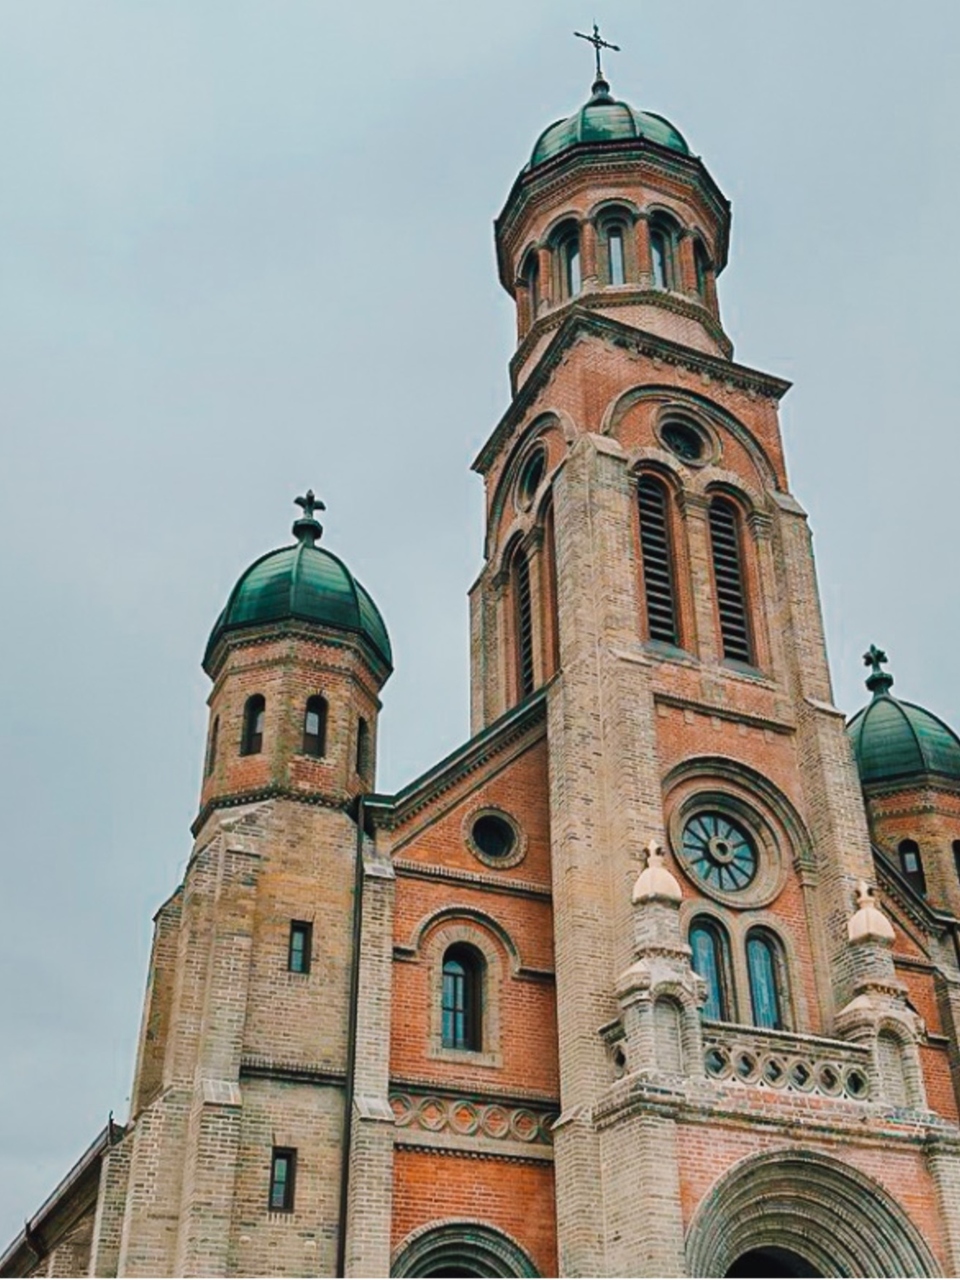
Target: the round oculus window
(531, 476)
(719, 852)
(494, 836)
(684, 440)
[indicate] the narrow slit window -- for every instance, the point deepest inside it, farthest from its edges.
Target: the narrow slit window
(911, 864)
(315, 727)
(251, 744)
(660, 258)
(524, 624)
(363, 748)
(956, 857)
(728, 581)
(711, 960)
(570, 264)
(300, 947)
(702, 266)
(656, 552)
(615, 255)
(764, 968)
(212, 748)
(461, 998)
(532, 280)
(283, 1167)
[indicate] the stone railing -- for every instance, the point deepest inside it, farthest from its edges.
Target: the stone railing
(785, 1061)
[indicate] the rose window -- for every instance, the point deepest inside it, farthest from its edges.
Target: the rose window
(719, 852)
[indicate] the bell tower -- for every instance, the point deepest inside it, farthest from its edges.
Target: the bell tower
(648, 565)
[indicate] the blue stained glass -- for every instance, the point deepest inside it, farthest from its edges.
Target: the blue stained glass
(708, 963)
(764, 995)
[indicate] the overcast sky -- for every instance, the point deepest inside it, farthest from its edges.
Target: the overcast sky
(246, 248)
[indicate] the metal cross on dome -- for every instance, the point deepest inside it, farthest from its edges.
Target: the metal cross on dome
(874, 658)
(598, 43)
(310, 504)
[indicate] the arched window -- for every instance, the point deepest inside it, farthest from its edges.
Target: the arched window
(531, 278)
(956, 857)
(462, 998)
(657, 556)
(524, 624)
(251, 743)
(570, 275)
(363, 748)
(662, 255)
(701, 265)
(728, 580)
(616, 262)
(711, 960)
(911, 865)
(552, 645)
(766, 970)
(211, 762)
(315, 727)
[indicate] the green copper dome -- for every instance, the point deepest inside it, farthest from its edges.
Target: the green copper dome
(302, 582)
(893, 739)
(604, 119)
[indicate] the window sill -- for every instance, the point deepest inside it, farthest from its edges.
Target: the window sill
(466, 1057)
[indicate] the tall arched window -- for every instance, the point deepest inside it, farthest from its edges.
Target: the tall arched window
(523, 623)
(711, 960)
(956, 857)
(657, 555)
(662, 254)
(911, 864)
(702, 266)
(616, 262)
(570, 274)
(531, 278)
(211, 762)
(462, 998)
(551, 646)
(767, 973)
(363, 748)
(315, 727)
(251, 743)
(728, 580)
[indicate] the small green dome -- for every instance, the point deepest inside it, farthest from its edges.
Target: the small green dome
(604, 119)
(893, 739)
(302, 582)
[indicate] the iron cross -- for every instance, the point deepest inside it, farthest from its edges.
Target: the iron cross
(598, 44)
(310, 504)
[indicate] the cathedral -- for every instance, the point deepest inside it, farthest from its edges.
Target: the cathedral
(658, 974)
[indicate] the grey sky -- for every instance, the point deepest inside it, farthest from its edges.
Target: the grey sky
(246, 248)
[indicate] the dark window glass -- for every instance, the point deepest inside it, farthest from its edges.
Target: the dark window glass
(531, 475)
(301, 946)
(702, 266)
(683, 440)
(615, 255)
(728, 580)
(212, 747)
(251, 743)
(660, 258)
(956, 857)
(524, 624)
(532, 278)
(570, 265)
(911, 864)
(493, 836)
(315, 727)
(711, 959)
(657, 558)
(763, 967)
(363, 748)
(462, 998)
(283, 1166)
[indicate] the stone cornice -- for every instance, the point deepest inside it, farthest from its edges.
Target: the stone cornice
(580, 323)
(603, 300)
(256, 1067)
(471, 879)
(388, 812)
(295, 628)
(267, 793)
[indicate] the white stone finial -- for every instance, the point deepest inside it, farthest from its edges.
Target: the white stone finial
(868, 923)
(656, 880)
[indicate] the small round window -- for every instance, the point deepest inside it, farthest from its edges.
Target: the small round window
(495, 838)
(719, 852)
(684, 440)
(531, 477)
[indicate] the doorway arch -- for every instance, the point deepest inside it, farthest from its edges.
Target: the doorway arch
(461, 1249)
(805, 1210)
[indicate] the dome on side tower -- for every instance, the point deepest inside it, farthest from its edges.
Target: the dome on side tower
(893, 739)
(605, 119)
(302, 582)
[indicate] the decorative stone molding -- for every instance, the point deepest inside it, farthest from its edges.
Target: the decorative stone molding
(778, 1061)
(468, 1117)
(868, 923)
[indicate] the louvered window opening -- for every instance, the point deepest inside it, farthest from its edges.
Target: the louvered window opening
(524, 626)
(657, 562)
(728, 580)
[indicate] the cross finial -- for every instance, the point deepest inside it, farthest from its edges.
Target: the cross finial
(308, 529)
(878, 681)
(600, 84)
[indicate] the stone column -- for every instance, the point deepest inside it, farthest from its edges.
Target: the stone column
(688, 267)
(111, 1198)
(588, 256)
(943, 1160)
(370, 1177)
(644, 260)
(545, 273)
(694, 509)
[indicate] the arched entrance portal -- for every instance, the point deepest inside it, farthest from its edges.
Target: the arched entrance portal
(772, 1262)
(461, 1249)
(799, 1213)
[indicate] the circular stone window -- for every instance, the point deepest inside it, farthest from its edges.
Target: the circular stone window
(685, 440)
(719, 852)
(531, 477)
(495, 838)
